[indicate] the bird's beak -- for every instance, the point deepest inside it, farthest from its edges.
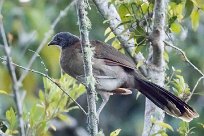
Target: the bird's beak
(52, 43)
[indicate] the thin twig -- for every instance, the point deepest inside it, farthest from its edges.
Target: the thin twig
(48, 77)
(11, 69)
(184, 55)
(48, 34)
(194, 88)
(41, 60)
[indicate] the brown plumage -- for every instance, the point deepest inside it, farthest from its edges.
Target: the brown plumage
(115, 73)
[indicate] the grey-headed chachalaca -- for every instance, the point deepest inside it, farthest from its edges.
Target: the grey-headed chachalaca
(115, 73)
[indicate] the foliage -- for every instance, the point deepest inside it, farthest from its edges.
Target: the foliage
(184, 129)
(115, 133)
(52, 103)
(163, 125)
(178, 84)
(12, 122)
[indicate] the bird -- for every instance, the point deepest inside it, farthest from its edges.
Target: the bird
(116, 73)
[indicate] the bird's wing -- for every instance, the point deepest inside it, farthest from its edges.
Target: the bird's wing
(111, 55)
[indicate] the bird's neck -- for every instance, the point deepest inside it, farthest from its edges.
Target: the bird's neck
(72, 41)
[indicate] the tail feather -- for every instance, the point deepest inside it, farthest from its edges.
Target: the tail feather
(165, 100)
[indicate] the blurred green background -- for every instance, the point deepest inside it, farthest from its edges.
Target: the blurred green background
(26, 24)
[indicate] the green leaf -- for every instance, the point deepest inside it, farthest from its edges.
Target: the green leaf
(165, 125)
(195, 17)
(116, 44)
(145, 7)
(175, 27)
(123, 11)
(115, 133)
(3, 92)
(110, 36)
(178, 70)
(180, 88)
(36, 115)
(188, 8)
(198, 3)
(12, 119)
(163, 133)
(107, 31)
(128, 15)
(105, 21)
(183, 128)
(153, 120)
(65, 119)
(41, 95)
(178, 10)
(42, 128)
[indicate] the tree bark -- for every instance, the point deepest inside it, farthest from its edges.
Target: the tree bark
(156, 64)
(88, 54)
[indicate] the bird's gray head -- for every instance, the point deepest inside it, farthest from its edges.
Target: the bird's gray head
(63, 39)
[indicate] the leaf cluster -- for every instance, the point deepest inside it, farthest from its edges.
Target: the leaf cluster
(51, 104)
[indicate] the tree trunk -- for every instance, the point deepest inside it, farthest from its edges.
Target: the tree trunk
(156, 64)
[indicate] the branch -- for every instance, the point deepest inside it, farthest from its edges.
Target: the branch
(84, 26)
(158, 34)
(191, 64)
(156, 69)
(194, 88)
(184, 55)
(48, 77)
(12, 73)
(109, 12)
(48, 34)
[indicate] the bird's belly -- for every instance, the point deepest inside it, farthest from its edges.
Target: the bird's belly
(108, 84)
(108, 77)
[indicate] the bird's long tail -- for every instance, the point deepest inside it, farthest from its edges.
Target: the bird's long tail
(165, 100)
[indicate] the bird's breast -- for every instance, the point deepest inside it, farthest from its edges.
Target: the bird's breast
(72, 63)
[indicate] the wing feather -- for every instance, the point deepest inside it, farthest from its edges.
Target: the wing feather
(105, 51)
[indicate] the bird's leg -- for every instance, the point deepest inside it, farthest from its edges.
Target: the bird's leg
(105, 97)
